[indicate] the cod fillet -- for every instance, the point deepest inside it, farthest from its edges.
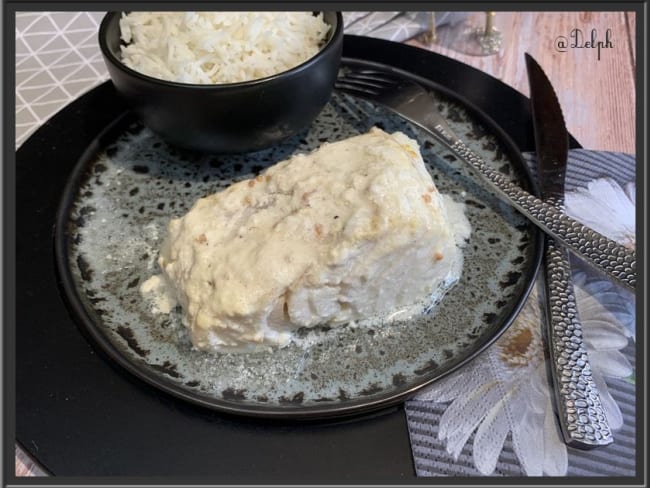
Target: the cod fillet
(353, 229)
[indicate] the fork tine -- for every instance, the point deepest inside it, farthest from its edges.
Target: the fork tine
(360, 84)
(376, 72)
(381, 79)
(356, 90)
(381, 86)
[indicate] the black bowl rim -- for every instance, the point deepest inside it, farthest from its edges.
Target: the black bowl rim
(336, 37)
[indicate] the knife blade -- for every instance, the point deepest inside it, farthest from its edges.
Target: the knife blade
(577, 400)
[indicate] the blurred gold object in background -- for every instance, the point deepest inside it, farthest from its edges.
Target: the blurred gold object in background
(466, 37)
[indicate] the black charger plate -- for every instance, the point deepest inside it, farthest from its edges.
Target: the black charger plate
(80, 414)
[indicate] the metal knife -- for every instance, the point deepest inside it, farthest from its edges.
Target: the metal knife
(581, 415)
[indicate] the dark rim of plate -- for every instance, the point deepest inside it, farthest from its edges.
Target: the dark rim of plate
(88, 319)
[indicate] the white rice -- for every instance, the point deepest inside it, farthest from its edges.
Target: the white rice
(219, 47)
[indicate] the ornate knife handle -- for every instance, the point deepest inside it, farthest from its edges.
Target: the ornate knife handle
(582, 418)
(610, 257)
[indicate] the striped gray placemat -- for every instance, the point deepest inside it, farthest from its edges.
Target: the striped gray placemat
(584, 166)
(424, 416)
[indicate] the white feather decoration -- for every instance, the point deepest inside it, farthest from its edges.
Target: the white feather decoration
(490, 437)
(556, 457)
(605, 207)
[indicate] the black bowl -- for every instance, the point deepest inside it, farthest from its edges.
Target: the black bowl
(232, 117)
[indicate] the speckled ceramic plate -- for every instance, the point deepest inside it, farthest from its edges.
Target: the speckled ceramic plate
(130, 183)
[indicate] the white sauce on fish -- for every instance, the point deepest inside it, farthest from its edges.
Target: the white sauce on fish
(353, 232)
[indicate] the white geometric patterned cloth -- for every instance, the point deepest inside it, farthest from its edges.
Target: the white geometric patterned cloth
(57, 60)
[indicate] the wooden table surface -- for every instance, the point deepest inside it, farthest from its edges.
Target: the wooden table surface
(598, 96)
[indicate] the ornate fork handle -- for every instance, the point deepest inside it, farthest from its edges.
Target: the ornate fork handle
(610, 257)
(581, 414)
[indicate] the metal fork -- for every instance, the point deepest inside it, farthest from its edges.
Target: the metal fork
(413, 102)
